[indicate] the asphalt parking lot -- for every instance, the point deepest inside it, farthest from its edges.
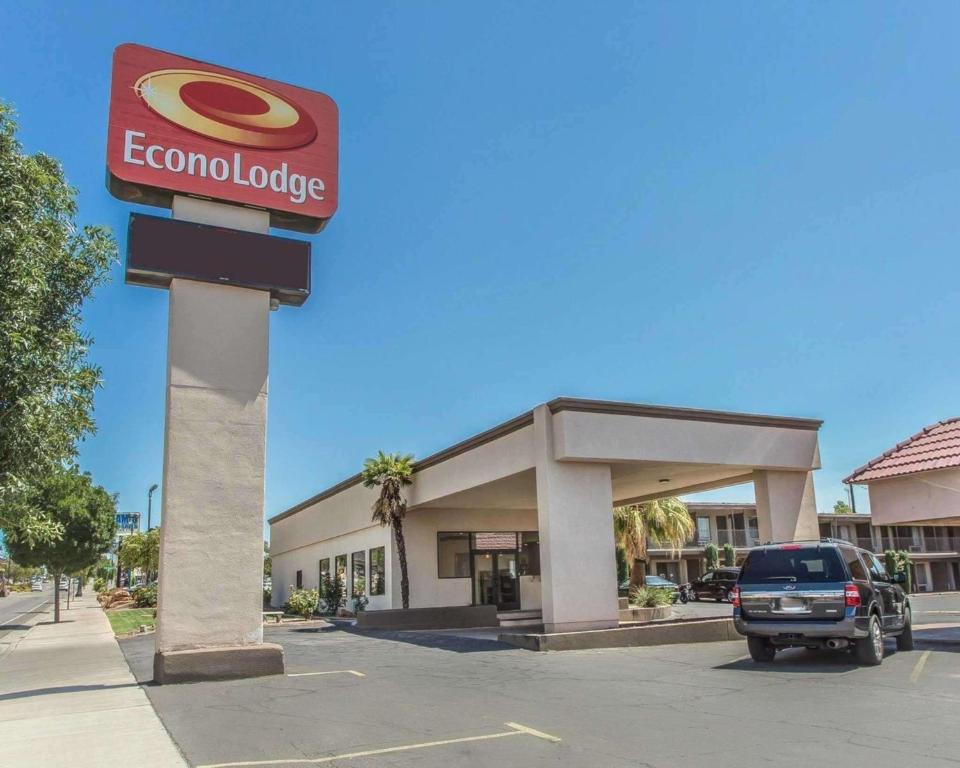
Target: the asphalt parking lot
(416, 699)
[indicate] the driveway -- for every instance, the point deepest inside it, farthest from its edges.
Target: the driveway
(415, 699)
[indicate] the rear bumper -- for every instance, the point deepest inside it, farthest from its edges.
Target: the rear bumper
(850, 628)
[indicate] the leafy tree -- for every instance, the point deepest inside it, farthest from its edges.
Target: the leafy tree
(84, 512)
(390, 473)
(664, 522)
(267, 561)
(842, 508)
(141, 550)
(48, 267)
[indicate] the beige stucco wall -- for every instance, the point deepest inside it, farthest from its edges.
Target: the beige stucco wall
(307, 559)
(213, 481)
(925, 496)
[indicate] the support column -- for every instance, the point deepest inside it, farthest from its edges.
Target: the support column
(209, 616)
(786, 506)
(578, 567)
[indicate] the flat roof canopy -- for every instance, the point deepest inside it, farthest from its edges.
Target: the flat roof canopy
(653, 451)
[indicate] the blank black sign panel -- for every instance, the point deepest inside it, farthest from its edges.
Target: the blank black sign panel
(160, 249)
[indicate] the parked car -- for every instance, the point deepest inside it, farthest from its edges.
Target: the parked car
(716, 584)
(651, 581)
(826, 594)
(64, 586)
(36, 585)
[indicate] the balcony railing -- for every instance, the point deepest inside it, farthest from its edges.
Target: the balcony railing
(737, 538)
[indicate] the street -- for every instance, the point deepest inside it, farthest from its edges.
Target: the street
(17, 607)
(404, 699)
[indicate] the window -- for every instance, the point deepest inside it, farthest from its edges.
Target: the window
(857, 571)
(877, 571)
(358, 562)
(530, 553)
(703, 530)
(788, 564)
(299, 579)
(324, 575)
(378, 585)
(340, 571)
(453, 555)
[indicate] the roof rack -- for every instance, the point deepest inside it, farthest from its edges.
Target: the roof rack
(822, 540)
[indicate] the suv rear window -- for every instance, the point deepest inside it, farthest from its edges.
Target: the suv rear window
(803, 565)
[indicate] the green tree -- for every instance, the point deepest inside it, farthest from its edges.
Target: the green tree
(842, 508)
(141, 550)
(664, 522)
(48, 267)
(390, 472)
(267, 561)
(84, 512)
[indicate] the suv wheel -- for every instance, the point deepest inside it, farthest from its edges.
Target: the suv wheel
(869, 650)
(905, 638)
(761, 649)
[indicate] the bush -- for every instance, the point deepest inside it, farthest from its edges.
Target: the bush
(712, 556)
(99, 584)
(333, 595)
(302, 602)
(650, 597)
(729, 556)
(145, 596)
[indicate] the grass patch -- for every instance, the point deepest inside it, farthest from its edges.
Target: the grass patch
(129, 619)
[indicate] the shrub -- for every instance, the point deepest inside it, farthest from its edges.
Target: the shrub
(899, 562)
(302, 602)
(145, 596)
(729, 556)
(333, 595)
(99, 584)
(651, 597)
(711, 555)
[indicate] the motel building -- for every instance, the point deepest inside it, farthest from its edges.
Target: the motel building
(520, 516)
(934, 550)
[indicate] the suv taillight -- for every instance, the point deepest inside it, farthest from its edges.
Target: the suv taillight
(735, 597)
(851, 595)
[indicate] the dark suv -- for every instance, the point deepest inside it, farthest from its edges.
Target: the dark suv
(826, 594)
(716, 584)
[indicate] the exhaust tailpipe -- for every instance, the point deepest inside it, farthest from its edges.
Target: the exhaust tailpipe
(836, 643)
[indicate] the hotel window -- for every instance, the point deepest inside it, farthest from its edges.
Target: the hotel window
(358, 567)
(340, 571)
(453, 555)
(530, 553)
(703, 530)
(324, 575)
(378, 585)
(299, 579)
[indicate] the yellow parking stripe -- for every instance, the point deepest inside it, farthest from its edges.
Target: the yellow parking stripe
(918, 669)
(516, 730)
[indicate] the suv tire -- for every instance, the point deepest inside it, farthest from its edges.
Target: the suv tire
(761, 649)
(869, 650)
(905, 638)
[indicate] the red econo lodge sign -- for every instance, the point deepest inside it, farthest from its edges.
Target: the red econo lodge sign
(180, 126)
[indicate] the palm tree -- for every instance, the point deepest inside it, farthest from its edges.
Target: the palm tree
(665, 522)
(390, 472)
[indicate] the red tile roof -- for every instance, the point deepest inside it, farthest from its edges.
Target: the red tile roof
(934, 447)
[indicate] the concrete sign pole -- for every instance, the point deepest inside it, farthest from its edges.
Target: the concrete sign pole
(209, 616)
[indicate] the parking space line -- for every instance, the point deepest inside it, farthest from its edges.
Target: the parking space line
(918, 669)
(330, 672)
(515, 730)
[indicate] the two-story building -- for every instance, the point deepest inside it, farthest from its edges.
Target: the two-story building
(934, 549)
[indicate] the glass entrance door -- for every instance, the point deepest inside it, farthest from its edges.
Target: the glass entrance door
(495, 579)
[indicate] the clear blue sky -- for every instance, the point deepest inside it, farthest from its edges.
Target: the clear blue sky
(737, 206)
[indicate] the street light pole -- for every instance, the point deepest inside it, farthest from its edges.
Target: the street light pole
(149, 503)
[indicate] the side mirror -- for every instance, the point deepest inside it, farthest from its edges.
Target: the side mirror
(899, 578)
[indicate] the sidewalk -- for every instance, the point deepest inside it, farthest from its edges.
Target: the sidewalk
(67, 698)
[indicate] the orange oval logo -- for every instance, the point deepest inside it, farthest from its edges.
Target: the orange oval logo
(226, 109)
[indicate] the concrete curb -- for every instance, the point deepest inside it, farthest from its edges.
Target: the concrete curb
(660, 633)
